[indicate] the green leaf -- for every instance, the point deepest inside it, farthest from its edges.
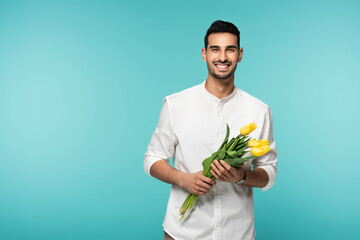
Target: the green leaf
(242, 149)
(230, 161)
(236, 162)
(222, 153)
(233, 144)
(232, 154)
(243, 153)
(226, 137)
(207, 162)
(244, 159)
(231, 141)
(240, 145)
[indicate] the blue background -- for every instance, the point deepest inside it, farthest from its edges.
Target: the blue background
(81, 88)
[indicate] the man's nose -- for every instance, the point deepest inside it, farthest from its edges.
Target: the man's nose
(223, 56)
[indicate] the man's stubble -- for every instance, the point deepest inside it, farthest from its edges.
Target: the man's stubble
(217, 76)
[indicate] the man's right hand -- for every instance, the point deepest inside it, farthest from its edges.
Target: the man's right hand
(197, 183)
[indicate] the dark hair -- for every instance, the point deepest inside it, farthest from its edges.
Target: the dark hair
(222, 27)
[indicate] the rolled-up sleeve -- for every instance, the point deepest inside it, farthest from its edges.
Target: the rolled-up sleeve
(161, 146)
(268, 161)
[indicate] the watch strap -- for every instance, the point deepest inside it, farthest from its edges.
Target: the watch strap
(242, 180)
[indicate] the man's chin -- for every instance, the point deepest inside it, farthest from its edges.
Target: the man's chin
(222, 76)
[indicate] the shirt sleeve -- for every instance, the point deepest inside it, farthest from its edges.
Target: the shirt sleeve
(161, 145)
(268, 161)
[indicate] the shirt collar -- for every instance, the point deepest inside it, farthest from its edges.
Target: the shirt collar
(213, 97)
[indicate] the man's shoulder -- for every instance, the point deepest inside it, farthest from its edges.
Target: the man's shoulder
(252, 100)
(184, 94)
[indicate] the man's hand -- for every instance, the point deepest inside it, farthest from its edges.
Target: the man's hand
(196, 183)
(225, 172)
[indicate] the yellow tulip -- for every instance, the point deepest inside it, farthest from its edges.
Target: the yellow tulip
(259, 151)
(264, 142)
(254, 143)
(258, 143)
(265, 148)
(248, 129)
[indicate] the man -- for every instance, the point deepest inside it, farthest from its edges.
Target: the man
(192, 125)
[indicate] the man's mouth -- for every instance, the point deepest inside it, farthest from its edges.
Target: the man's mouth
(222, 66)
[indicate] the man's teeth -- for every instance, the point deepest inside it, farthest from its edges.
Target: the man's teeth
(222, 66)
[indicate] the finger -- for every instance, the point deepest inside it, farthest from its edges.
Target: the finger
(225, 165)
(231, 170)
(200, 190)
(218, 177)
(215, 169)
(214, 174)
(207, 180)
(222, 170)
(202, 184)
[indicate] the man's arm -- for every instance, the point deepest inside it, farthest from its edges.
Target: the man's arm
(224, 172)
(257, 178)
(193, 182)
(161, 148)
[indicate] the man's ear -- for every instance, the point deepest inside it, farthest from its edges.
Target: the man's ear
(203, 54)
(240, 54)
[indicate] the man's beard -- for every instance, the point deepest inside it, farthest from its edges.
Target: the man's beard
(217, 76)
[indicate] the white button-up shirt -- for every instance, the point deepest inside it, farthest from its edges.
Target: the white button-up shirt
(192, 125)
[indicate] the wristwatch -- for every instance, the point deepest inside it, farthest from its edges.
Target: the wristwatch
(242, 180)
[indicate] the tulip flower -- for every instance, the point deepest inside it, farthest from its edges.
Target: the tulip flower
(248, 129)
(265, 148)
(258, 143)
(264, 142)
(259, 151)
(254, 143)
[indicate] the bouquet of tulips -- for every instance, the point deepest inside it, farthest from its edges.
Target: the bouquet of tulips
(232, 153)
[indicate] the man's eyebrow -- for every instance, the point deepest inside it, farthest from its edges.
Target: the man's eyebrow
(227, 47)
(232, 46)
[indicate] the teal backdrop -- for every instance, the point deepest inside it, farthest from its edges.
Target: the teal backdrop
(81, 89)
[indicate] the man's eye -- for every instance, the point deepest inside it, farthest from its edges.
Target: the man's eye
(214, 50)
(231, 50)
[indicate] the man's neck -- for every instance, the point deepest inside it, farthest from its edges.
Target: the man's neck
(220, 88)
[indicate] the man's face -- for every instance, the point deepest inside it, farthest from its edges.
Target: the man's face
(222, 55)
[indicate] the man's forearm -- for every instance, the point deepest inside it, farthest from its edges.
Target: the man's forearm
(166, 173)
(194, 183)
(256, 178)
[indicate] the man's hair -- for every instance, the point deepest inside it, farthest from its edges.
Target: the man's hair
(222, 27)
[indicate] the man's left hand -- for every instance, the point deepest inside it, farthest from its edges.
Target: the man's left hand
(224, 172)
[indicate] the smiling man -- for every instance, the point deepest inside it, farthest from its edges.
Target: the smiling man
(191, 127)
